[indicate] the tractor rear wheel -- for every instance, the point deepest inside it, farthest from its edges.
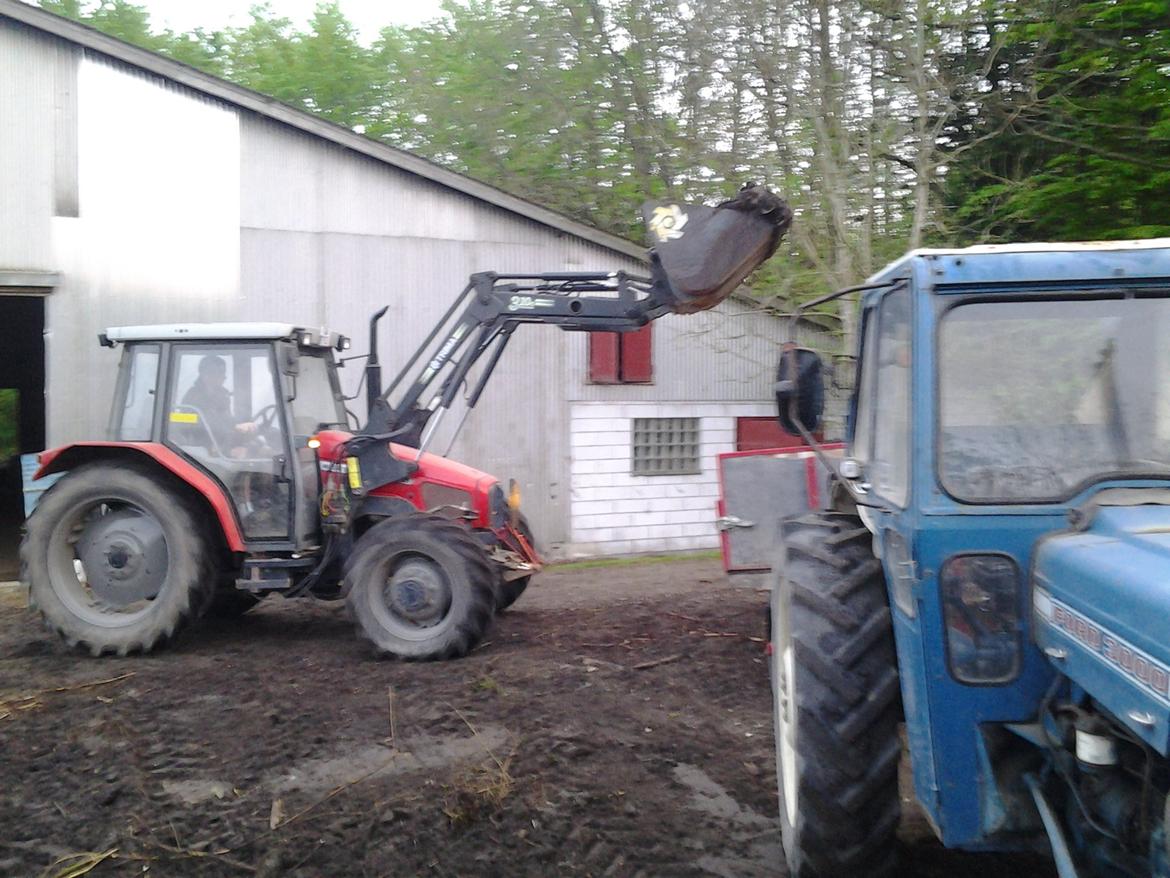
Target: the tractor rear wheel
(509, 590)
(420, 587)
(836, 701)
(115, 560)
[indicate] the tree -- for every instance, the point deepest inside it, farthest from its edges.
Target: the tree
(1075, 144)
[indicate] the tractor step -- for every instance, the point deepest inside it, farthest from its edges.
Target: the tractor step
(268, 574)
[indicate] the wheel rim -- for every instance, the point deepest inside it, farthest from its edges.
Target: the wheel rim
(415, 598)
(784, 667)
(108, 561)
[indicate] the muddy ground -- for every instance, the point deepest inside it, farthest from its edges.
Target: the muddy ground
(275, 745)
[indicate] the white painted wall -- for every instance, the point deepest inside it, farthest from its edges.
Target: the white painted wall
(613, 512)
(157, 238)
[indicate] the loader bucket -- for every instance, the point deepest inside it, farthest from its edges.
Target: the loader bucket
(701, 254)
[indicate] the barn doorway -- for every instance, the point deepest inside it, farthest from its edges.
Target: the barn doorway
(22, 413)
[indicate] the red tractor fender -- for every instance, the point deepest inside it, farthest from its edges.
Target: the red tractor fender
(67, 457)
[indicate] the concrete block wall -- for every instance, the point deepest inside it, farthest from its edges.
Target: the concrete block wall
(612, 511)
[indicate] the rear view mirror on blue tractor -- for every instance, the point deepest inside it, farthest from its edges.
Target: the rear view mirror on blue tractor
(994, 572)
(800, 390)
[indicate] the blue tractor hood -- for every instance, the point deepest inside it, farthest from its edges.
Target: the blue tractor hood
(1101, 604)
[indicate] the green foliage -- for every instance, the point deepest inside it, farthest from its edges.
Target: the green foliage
(1074, 142)
(528, 97)
(9, 423)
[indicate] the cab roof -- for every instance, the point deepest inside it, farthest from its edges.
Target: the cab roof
(1089, 261)
(223, 332)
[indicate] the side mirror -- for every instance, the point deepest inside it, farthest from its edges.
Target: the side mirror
(288, 359)
(800, 390)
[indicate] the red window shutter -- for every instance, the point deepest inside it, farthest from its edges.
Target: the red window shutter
(603, 357)
(637, 360)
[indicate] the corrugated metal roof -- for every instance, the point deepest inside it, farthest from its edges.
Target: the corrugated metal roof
(263, 105)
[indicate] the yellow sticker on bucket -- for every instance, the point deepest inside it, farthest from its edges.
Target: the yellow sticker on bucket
(355, 474)
(184, 418)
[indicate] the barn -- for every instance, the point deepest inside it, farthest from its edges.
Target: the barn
(138, 190)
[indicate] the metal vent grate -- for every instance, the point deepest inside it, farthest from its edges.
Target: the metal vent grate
(666, 447)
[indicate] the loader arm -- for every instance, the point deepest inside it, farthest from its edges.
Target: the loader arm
(481, 322)
(701, 255)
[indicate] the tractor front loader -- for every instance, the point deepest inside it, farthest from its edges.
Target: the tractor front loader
(231, 472)
(994, 572)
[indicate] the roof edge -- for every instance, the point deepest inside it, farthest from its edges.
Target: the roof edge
(1122, 246)
(213, 86)
(33, 279)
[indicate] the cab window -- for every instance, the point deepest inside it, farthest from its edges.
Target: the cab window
(315, 403)
(882, 433)
(133, 417)
(224, 413)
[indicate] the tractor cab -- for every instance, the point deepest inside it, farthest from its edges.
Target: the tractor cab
(240, 401)
(993, 571)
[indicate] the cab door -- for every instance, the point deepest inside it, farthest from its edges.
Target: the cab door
(314, 404)
(883, 444)
(225, 411)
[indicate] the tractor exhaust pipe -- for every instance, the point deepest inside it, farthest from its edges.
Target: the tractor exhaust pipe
(373, 367)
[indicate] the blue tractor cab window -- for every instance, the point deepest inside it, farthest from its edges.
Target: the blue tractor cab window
(1040, 398)
(882, 438)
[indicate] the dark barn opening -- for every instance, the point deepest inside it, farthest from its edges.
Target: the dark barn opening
(22, 413)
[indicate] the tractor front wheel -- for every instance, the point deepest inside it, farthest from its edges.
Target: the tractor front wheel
(836, 701)
(115, 560)
(420, 587)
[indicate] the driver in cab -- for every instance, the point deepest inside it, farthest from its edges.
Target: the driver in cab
(214, 402)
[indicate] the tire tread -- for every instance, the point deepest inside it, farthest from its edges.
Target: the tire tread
(477, 568)
(193, 594)
(847, 700)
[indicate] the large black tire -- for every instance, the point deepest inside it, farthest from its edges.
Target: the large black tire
(151, 565)
(510, 590)
(836, 701)
(420, 587)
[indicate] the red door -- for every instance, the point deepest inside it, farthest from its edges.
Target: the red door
(756, 434)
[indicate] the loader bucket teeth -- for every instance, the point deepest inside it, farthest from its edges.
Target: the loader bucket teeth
(701, 254)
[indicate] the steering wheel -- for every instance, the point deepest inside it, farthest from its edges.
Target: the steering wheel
(258, 440)
(263, 419)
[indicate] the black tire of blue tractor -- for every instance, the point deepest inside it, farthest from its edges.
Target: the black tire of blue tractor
(829, 607)
(456, 557)
(509, 591)
(190, 575)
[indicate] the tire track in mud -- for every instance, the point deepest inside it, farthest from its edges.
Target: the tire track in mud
(542, 753)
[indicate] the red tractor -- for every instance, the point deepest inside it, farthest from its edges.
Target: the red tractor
(231, 470)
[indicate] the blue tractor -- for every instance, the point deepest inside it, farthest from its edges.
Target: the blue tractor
(994, 571)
